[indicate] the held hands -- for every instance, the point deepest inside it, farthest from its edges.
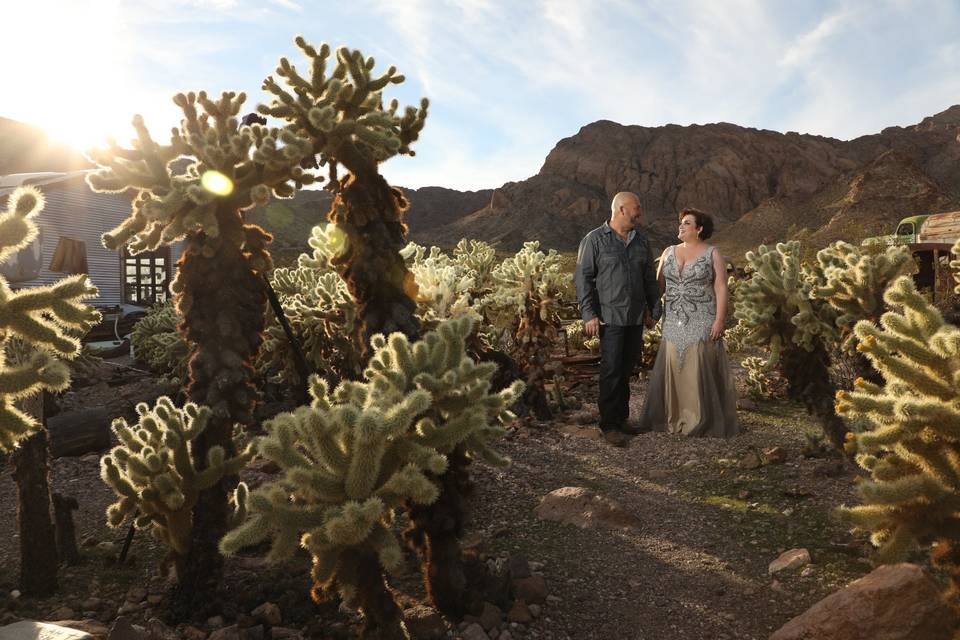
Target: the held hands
(592, 327)
(649, 322)
(716, 331)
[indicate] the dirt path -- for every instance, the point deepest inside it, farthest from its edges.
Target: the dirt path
(696, 569)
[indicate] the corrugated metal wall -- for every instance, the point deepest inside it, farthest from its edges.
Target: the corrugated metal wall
(74, 211)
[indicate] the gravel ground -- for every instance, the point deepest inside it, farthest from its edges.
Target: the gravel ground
(696, 568)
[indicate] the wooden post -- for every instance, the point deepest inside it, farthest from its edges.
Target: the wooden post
(31, 471)
(936, 274)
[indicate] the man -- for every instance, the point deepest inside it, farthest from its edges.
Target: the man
(617, 287)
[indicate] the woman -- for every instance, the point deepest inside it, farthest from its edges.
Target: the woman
(691, 389)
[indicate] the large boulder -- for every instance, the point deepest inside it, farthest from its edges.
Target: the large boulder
(895, 602)
(32, 630)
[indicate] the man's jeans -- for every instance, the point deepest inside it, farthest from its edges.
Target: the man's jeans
(619, 349)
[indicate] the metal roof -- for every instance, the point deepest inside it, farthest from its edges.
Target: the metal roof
(10, 182)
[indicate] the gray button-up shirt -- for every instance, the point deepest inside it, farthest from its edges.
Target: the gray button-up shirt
(616, 280)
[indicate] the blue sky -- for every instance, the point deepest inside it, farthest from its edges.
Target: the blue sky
(506, 80)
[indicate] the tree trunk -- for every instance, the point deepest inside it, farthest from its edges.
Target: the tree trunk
(223, 304)
(435, 532)
(66, 535)
(808, 379)
(382, 619)
(38, 545)
(370, 213)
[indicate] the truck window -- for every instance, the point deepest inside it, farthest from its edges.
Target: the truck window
(905, 229)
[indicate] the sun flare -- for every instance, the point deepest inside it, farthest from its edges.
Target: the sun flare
(73, 79)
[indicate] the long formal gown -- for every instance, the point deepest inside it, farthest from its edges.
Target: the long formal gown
(691, 388)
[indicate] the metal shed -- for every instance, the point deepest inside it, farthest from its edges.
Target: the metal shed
(70, 225)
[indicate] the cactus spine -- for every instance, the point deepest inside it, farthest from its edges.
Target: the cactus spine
(912, 449)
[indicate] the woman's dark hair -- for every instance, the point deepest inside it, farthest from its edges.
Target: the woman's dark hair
(702, 219)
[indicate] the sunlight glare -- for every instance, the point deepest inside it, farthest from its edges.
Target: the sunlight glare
(72, 62)
(216, 183)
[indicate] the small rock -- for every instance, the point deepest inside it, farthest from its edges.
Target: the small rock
(128, 607)
(252, 633)
(62, 613)
(532, 589)
(585, 509)
(225, 633)
(551, 599)
(490, 616)
(589, 433)
(136, 594)
(474, 632)
(519, 613)
(751, 461)
(281, 633)
(534, 610)
(215, 622)
(190, 632)
(424, 623)
(792, 559)
(14, 594)
(30, 630)
(269, 614)
(690, 464)
(154, 599)
(123, 629)
(107, 547)
(505, 635)
(519, 567)
(774, 455)
(88, 541)
(91, 603)
(658, 474)
(743, 495)
(807, 571)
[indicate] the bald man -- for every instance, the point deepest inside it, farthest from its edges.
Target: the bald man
(618, 293)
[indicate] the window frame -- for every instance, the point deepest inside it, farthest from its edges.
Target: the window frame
(145, 290)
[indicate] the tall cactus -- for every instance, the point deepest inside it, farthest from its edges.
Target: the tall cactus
(219, 287)
(47, 320)
(912, 449)
(344, 116)
(776, 307)
(155, 478)
(528, 291)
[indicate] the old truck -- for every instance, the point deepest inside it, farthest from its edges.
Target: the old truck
(940, 228)
(907, 233)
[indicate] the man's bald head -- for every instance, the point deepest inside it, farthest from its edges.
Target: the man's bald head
(625, 212)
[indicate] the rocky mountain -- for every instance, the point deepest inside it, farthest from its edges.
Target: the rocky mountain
(761, 185)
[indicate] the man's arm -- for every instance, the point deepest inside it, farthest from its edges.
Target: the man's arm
(585, 277)
(651, 285)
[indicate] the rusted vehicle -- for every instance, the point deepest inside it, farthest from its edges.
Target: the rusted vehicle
(940, 228)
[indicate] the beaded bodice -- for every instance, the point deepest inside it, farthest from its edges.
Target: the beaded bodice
(689, 303)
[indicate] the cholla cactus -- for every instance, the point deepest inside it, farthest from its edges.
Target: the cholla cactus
(912, 449)
(446, 287)
(853, 282)
(527, 298)
(762, 382)
(358, 453)
(651, 345)
(343, 114)
(734, 338)
(42, 317)
(480, 259)
(157, 342)
(778, 310)
(155, 479)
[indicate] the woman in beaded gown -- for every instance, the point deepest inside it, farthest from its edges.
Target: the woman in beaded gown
(691, 389)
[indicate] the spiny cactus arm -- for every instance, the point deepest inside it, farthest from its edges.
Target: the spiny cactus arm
(16, 228)
(874, 345)
(408, 482)
(39, 315)
(42, 371)
(352, 522)
(342, 114)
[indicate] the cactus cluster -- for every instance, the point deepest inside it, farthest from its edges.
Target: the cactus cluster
(367, 448)
(156, 480)
(46, 319)
(852, 281)
(527, 297)
(777, 308)
(912, 445)
(156, 341)
(321, 312)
